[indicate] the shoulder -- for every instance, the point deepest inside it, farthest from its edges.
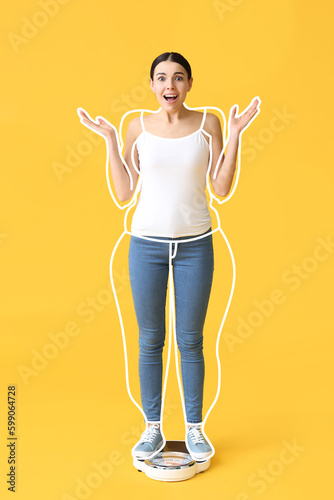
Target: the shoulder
(134, 123)
(212, 124)
(134, 129)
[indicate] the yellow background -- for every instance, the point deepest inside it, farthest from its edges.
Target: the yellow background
(57, 235)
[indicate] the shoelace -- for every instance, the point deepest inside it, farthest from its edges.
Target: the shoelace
(196, 435)
(150, 434)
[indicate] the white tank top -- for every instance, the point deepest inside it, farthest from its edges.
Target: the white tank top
(172, 199)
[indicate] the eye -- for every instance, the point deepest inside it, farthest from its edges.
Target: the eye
(178, 77)
(160, 78)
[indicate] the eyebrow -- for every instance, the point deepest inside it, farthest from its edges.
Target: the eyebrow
(176, 73)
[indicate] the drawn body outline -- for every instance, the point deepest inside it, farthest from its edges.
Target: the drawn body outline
(171, 322)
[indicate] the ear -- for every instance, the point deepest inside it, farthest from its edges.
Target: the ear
(152, 85)
(190, 83)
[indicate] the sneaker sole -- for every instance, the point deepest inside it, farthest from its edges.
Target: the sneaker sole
(145, 454)
(198, 456)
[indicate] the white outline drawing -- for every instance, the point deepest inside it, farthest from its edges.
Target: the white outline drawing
(132, 203)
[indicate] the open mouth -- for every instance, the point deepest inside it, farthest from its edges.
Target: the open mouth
(170, 97)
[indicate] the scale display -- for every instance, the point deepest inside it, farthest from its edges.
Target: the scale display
(173, 463)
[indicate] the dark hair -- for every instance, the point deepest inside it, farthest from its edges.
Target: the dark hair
(174, 57)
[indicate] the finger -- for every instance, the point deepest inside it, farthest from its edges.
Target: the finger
(234, 110)
(100, 120)
(91, 125)
(87, 121)
(253, 105)
(255, 112)
(82, 113)
(252, 108)
(84, 116)
(255, 101)
(256, 104)
(251, 112)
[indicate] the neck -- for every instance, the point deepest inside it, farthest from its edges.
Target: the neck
(173, 116)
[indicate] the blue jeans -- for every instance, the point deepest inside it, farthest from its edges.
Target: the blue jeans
(193, 265)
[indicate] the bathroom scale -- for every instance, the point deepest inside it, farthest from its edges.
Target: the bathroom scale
(172, 463)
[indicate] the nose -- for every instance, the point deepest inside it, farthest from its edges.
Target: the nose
(170, 84)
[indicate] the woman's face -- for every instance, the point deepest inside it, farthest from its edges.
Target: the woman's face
(170, 79)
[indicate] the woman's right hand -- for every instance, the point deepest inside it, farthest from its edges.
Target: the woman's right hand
(100, 125)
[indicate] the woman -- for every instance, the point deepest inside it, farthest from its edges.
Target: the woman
(171, 228)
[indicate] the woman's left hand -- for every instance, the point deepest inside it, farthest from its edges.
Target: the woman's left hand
(237, 124)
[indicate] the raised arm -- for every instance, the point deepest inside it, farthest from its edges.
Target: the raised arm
(224, 159)
(123, 172)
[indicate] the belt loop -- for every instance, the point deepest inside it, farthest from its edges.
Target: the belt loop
(175, 250)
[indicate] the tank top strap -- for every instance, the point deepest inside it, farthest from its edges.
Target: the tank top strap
(204, 116)
(141, 120)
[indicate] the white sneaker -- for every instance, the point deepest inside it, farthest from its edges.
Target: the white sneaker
(151, 441)
(197, 445)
